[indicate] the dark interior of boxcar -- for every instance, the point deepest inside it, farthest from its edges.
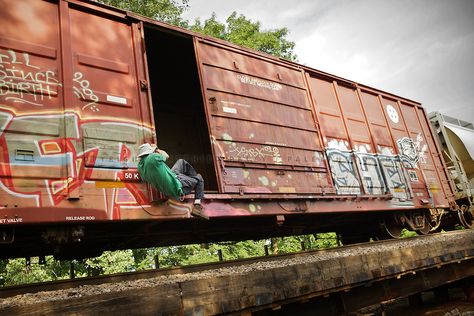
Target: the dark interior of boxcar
(178, 108)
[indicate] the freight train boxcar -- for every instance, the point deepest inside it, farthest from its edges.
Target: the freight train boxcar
(284, 149)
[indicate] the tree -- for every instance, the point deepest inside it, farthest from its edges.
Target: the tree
(244, 32)
(238, 29)
(168, 11)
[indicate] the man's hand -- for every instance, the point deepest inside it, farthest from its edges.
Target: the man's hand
(163, 153)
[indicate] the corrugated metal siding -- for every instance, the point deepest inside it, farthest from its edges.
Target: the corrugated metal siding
(262, 126)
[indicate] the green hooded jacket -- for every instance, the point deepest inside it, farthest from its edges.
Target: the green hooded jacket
(153, 169)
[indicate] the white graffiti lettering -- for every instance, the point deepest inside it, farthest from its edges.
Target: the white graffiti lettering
(343, 172)
(22, 82)
(83, 91)
(253, 154)
(413, 151)
(370, 172)
(393, 176)
(259, 82)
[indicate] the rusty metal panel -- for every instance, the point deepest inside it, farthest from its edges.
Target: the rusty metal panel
(70, 102)
(375, 144)
(377, 123)
(328, 112)
(104, 75)
(415, 147)
(344, 166)
(106, 88)
(261, 122)
(354, 119)
(30, 81)
(250, 64)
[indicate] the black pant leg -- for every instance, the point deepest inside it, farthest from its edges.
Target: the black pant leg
(187, 183)
(184, 167)
(189, 178)
(199, 190)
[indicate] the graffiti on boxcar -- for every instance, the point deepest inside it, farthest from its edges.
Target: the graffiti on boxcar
(407, 149)
(337, 144)
(393, 176)
(22, 82)
(343, 172)
(259, 82)
(255, 154)
(50, 155)
(413, 151)
(370, 173)
(84, 92)
(421, 148)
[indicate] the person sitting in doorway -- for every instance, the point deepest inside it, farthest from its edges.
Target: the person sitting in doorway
(176, 182)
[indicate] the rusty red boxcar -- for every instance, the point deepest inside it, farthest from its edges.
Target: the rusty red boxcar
(283, 148)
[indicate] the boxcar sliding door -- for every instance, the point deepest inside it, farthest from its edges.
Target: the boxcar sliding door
(262, 128)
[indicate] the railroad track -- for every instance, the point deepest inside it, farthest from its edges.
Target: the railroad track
(11, 291)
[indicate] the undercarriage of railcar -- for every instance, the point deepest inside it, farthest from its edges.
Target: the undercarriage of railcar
(90, 239)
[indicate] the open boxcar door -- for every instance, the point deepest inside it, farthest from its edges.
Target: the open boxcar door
(106, 105)
(263, 133)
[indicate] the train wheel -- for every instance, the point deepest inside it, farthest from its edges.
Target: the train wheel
(426, 229)
(391, 228)
(466, 216)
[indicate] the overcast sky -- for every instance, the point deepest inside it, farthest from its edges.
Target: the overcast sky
(422, 50)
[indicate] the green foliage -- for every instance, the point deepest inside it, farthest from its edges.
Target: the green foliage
(237, 28)
(112, 262)
(15, 271)
(242, 31)
(294, 243)
(168, 11)
(195, 254)
(407, 233)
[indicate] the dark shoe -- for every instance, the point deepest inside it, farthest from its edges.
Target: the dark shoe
(197, 212)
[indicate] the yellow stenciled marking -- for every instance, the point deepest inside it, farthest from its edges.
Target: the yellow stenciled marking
(399, 190)
(109, 184)
(287, 189)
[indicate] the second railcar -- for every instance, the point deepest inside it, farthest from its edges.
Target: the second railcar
(284, 149)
